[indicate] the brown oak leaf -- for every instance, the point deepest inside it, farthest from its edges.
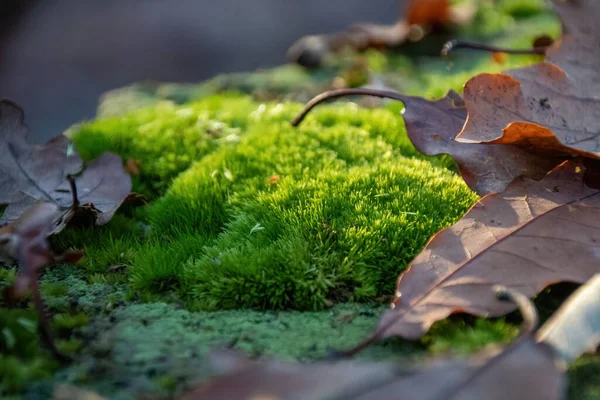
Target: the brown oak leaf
(533, 234)
(432, 126)
(42, 172)
(421, 16)
(551, 107)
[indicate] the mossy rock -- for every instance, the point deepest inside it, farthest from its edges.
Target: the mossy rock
(280, 242)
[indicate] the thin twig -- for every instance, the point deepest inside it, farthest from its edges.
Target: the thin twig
(463, 44)
(526, 308)
(73, 186)
(333, 94)
(45, 329)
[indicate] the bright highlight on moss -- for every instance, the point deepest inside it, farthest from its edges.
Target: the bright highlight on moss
(253, 213)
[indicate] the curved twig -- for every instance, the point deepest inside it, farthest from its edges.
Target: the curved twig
(334, 94)
(526, 308)
(463, 44)
(44, 323)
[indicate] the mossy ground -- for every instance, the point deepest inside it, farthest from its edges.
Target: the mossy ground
(278, 241)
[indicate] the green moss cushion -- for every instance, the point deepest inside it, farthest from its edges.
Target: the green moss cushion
(250, 212)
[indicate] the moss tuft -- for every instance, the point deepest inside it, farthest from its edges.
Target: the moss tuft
(276, 217)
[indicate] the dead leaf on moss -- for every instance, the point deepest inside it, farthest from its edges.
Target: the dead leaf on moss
(274, 179)
(432, 127)
(41, 172)
(551, 107)
(526, 238)
(525, 370)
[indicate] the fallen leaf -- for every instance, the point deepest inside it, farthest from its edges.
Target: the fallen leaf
(523, 370)
(553, 106)
(29, 245)
(575, 328)
(432, 127)
(41, 172)
(70, 392)
(103, 186)
(526, 238)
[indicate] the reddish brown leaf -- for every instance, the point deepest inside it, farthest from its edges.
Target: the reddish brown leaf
(103, 186)
(551, 106)
(432, 127)
(132, 166)
(531, 235)
(30, 245)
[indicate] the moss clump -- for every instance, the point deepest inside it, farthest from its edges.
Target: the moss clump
(309, 227)
(270, 216)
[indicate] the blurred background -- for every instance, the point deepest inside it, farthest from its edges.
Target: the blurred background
(58, 56)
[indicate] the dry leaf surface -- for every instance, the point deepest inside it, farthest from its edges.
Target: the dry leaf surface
(526, 238)
(40, 172)
(432, 127)
(551, 107)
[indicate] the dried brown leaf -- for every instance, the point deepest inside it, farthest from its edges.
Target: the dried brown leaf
(420, 17)
(432, 127)
(526, 238)
(551, 107)
(41, 172)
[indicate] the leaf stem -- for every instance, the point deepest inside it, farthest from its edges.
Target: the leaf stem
(333, 94)
(463, 44)
(45, 329)
(73, 186)
(526, 308)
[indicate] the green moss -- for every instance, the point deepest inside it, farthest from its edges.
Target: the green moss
(277, 217)
(277, 241)
(584, 382)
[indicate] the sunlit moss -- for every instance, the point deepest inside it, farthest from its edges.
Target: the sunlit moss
(309, 227)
